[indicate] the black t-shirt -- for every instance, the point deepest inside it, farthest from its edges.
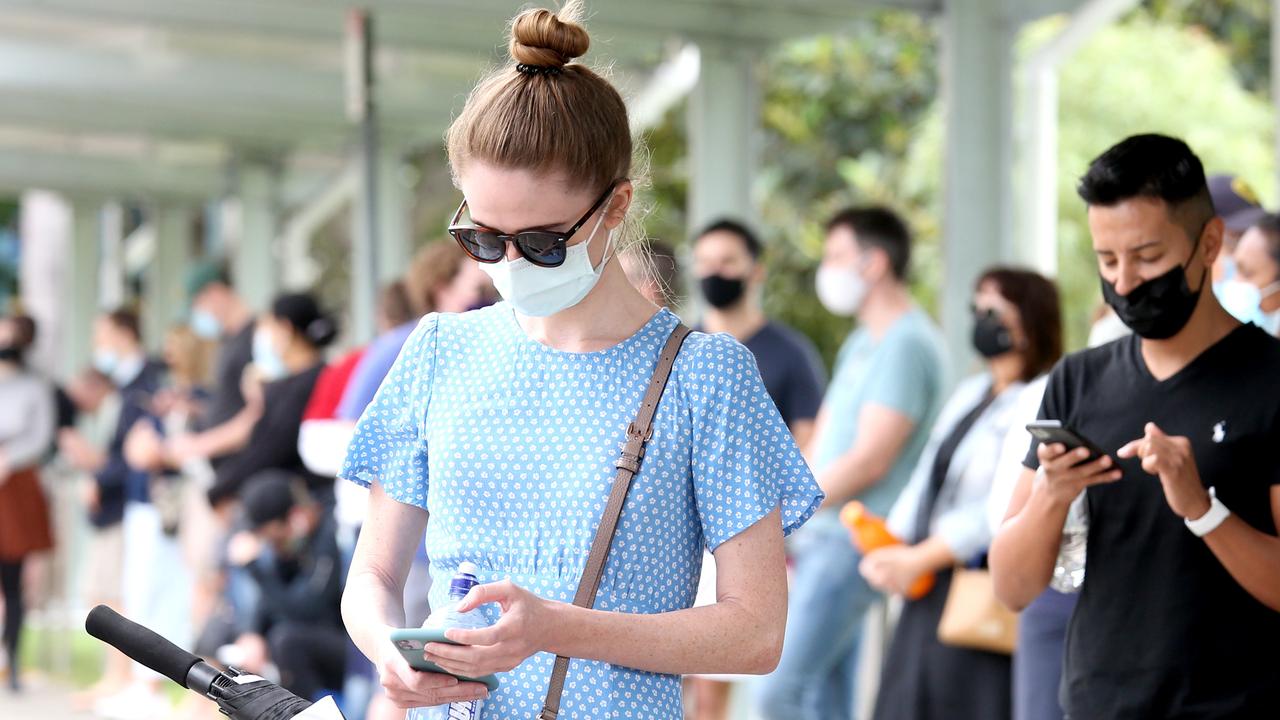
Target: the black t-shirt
(273, 444)
(1161, 629)
(234, 354)
(791, 370)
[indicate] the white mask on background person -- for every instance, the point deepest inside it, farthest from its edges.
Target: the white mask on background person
(1239, 298)
(541, 291)
(841, 290)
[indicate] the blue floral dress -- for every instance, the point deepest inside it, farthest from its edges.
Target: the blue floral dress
(510, 445)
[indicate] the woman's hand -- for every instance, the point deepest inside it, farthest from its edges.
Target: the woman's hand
(409, 688)
(893, 569)
(519, 633)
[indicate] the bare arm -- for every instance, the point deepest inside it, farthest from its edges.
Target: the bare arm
(1026, 545)
(882, 434)
(741, 633)
(1250, 555)
(802, 431)
(373, 602)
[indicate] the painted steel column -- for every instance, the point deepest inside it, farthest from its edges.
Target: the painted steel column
(255, 269)
(723, 122)
(81, 279)
(977, 97)
(166, 297)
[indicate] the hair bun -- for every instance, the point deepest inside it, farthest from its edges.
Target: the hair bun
(541, 38)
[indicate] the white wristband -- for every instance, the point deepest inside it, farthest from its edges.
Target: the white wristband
(1210, 521)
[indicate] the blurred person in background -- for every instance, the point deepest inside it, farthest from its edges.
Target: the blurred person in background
(942, 513)
(84, 448)
(886, 388)
(728, 265)
(124, 495)
(731, 273)
(1257, 260)
(1237, 204)
(290, 551)
(27, 420)
(219, 314)
(287, 359)
(652, 269)
(1178, 612)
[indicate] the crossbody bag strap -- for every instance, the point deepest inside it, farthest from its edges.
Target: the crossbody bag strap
(638, 434)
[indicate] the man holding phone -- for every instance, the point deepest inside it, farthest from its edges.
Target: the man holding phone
(1181, 597)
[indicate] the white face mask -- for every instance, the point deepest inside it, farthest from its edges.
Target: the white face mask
(840, 290)
(540, 292)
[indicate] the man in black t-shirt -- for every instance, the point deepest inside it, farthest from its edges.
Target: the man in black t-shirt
(1179, 614)
(730, 273)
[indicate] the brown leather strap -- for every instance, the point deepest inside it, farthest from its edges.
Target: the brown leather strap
(638, 434)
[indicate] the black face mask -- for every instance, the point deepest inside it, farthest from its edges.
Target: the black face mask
(720, 291)
(1159, 308)
(11, 354)
(990, 337)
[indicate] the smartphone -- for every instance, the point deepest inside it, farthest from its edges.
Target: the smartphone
(1053, 431)
(411, 642)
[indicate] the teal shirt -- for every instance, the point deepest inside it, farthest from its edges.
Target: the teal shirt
(904, 371)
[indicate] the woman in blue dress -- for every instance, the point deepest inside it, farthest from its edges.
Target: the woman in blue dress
(503, 425)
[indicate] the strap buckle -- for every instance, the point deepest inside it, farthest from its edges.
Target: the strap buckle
(547, 714)
(633, 433)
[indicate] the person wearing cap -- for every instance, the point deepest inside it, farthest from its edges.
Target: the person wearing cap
(219, 313)
(1257, 260)
(1236, 203)
(291, 553)
(287, 345)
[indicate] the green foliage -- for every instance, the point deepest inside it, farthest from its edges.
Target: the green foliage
(1243, 26)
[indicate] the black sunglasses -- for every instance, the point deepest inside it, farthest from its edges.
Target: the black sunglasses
(544, 248)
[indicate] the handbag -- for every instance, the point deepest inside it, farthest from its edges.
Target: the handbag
(973, 617)
(639, 432)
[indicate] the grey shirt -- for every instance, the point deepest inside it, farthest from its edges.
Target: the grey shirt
(26, 418)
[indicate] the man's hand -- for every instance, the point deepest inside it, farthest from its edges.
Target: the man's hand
(1064, 473)
(1170, 458)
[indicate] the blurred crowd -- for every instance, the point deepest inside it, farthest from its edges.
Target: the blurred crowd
(207, 473)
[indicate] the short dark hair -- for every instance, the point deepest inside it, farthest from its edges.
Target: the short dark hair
(1152, 166)
(303, 313)
(744, 233)
(1036, 298)
(881, 228)
(25, 330)
(1269, 226)
(126, 320)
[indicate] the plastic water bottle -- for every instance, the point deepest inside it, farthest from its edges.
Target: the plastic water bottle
(1068, 570)
(449, 617)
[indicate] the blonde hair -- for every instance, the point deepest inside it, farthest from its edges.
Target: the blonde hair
(545, 113)
(435, 266)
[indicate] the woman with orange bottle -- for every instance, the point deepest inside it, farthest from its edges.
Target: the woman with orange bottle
(941, 515)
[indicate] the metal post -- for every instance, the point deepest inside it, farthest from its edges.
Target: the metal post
(364, 239)
(82, 275)
(977, 94)
(166, 299)
(255, 269)
(723, 121)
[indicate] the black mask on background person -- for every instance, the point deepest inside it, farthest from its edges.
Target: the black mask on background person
(990, 337)
(720, 291)
(11, 354)
(1159, 308)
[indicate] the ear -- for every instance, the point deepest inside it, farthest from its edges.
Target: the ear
(758, 272)
(1212, 240)
(877, 264)
(618, 204)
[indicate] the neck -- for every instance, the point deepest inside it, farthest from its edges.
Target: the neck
(1208, 324)
(300, 356)
(742, 320)
(612, 312)
(237, 317)
(884, 304)
(1005, 370)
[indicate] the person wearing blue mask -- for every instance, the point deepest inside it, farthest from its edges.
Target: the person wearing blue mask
(1257, 260)
(287, 360)
(219, 314)
(1237, 204)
